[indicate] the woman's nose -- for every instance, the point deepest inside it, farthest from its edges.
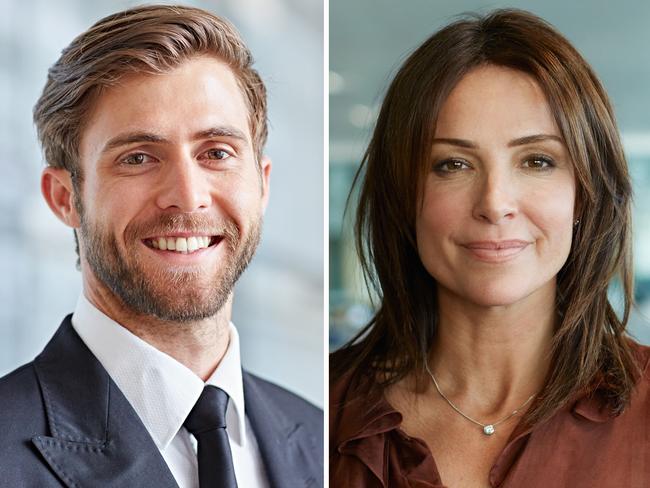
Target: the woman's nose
(496, 198)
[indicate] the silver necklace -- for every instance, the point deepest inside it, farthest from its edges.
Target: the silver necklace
(488, 429)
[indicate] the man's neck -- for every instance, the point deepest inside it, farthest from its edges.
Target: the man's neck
(199, 345)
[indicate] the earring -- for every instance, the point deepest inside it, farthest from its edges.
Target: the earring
(575, 224)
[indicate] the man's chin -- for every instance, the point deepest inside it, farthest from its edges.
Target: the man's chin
(183, 288)
(185, 294)
(179, 308)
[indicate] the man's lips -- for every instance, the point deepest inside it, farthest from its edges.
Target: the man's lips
(496, 251)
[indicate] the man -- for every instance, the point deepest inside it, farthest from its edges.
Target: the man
(153, 124)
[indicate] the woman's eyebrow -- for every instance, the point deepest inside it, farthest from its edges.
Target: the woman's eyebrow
(520, 141)
(455, 142)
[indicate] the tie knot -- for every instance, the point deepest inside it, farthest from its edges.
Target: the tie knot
(209, 412)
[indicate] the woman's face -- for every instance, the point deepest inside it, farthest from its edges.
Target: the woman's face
(497, 215)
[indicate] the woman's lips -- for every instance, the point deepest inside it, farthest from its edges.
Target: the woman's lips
(496, 251)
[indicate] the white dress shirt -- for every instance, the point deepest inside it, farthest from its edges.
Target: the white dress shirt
(162, 391)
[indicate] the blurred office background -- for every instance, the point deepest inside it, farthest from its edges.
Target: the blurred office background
(369, 39)
(279, 301)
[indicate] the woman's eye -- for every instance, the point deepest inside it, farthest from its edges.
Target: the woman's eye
(451, 166)
(218, 154)
(539, 162)
(136, 159)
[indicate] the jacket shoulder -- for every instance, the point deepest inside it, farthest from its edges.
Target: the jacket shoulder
(19, 390)
(23, 417)
(288, 402)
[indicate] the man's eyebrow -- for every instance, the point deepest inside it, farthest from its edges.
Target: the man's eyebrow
(225, 131)
(140, 137)
(521, 141)
(132, 138)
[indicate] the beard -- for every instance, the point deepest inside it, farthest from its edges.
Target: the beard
(175, 294)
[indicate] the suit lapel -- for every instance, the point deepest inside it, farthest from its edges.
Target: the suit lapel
(96, 439)
(286, 448)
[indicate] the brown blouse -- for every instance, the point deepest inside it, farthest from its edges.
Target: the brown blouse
(580, 446)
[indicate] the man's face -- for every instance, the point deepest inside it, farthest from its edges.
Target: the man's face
(172, 197)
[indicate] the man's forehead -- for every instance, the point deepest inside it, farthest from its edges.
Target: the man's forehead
(199, 95)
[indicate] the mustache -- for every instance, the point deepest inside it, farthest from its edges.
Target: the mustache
(177, 223)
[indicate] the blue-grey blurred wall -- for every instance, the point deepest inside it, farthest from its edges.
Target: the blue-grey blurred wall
(279, 300)
(369, 39)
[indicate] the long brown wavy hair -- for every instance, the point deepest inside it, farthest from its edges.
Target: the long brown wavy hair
(590, 347)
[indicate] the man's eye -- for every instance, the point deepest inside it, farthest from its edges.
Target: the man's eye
(217, 154)
(539, 162)
(136, 159)
(450, 166)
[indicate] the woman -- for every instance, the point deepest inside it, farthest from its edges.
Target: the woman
(494, 212)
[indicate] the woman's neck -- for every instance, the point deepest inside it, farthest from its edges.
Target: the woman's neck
(491, 359)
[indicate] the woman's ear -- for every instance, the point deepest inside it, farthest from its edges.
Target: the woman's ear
(58, 191)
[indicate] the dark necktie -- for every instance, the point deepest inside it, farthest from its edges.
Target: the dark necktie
(207, 422)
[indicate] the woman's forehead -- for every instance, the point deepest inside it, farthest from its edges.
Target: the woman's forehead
(494, 103)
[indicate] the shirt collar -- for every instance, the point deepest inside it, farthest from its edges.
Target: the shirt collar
(593, 405)
(161, 390)
(228, 377)
(359, 415)
(362, 425)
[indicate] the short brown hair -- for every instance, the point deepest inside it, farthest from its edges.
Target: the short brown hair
(151, 39)
(590, 346)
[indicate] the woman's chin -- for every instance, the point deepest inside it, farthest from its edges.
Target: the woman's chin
(504, 290)
(494, 296)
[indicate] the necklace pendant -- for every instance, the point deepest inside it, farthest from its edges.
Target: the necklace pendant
(488, 429)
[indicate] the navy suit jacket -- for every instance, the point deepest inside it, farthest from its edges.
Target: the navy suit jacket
(64, 422)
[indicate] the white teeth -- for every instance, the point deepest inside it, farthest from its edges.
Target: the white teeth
(181, 244)
(192, 244)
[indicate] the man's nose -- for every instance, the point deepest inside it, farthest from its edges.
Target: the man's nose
(184, 186)
(497, 198)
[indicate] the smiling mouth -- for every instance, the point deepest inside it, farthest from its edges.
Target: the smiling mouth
(496, 251)
(497, 245)
(182, 245)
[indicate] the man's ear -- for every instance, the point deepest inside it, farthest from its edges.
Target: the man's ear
(265, 166)
(58, 191)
